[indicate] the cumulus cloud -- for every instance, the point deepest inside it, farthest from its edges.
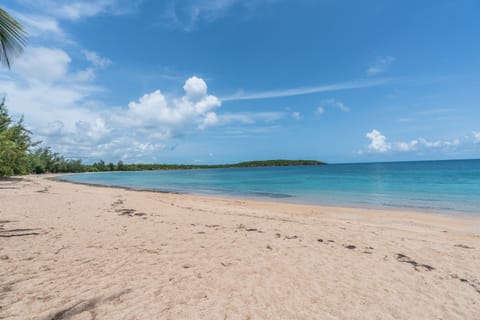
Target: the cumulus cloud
(210, 119)
(438, 143)
(379, 144)
(42, 64)
(196, 106)
(380, 65)
(41, 81)
(296, 115)
(60, 107)
(476, 136)
(406, 146)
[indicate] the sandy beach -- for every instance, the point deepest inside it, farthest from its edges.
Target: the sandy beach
(70, 251)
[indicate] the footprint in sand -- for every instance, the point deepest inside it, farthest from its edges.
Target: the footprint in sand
(417, 266)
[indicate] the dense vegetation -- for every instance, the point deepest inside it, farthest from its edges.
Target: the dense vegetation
(14, 144)
(43, 160)
(277, 163)
(18, 156)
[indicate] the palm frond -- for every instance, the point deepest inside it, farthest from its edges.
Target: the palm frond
(12, 38)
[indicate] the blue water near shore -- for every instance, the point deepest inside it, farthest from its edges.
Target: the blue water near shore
(439, 186)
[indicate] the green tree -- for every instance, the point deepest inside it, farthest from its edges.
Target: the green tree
(14, 144)
(120, 165)
(100, 165)
(12, 37)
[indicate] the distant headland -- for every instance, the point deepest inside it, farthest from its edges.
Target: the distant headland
(44, 160)
(100, 166)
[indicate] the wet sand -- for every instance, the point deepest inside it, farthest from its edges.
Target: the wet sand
(70, 251)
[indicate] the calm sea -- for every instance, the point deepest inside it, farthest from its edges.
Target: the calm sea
(442, 186)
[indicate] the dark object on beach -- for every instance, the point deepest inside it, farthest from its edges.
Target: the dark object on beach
(320, 240)
(241, 226)
(127, 212)
(44, 190)
(349, 246)
(475, 284)
(417, 266)
(18, 233)
(140, 214)
(463, 246)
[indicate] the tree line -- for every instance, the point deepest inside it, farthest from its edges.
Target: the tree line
(20, 155)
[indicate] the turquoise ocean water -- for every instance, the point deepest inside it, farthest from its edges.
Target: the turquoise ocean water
(440, 186)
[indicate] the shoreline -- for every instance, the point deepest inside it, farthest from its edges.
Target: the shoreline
(406, 210)
(73, 251)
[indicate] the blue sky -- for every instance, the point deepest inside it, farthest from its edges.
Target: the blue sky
(216, 81)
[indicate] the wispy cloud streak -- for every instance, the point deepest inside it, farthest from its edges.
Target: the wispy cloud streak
(305, 90)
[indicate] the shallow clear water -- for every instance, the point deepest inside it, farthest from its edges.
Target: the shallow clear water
(443, 186)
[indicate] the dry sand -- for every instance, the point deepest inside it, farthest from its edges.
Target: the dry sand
(71, 251)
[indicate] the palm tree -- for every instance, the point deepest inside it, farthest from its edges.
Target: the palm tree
(12, 38)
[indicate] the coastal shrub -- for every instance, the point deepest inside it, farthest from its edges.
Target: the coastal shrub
(14, 144)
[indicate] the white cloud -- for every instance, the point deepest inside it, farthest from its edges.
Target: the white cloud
(195, 87)
(406, 146)
(95, 59)
(250, 117)
(211, 119)
(42, 26)
(78, 9)
(85, 75)
(196, 106)
(378, 142)
(188, 14)
(333, 103)
(305, 90)
(296, 115)
(438, 143)
(320, 110)
(476, 136)
(42, 64)
(380, 65)
(61, 110)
